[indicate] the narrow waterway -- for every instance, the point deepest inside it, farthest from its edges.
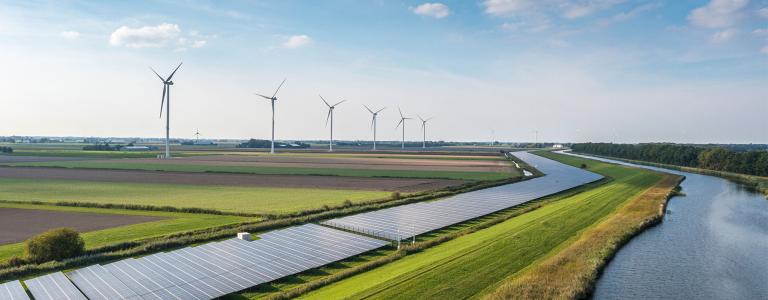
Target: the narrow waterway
(713, 244)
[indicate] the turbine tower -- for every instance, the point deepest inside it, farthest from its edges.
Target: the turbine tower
(197, 135)
(402, 122)
(167, 83)
(273, 99)
(373, 123)
(330, 117)
(424, 131)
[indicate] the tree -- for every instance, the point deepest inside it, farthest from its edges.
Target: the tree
(55, 244)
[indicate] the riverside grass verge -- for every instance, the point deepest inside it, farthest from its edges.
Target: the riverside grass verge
(494, 253)
(573, 271)
(177, 240)
(757, 182)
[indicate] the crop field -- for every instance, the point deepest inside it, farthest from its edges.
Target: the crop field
(496, 253)
(155, 224)
(223, 198)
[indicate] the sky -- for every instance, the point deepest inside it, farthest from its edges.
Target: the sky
(511, 70)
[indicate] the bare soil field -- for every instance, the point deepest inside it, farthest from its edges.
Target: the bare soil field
(17, 225)
(247, 180)
(339, 163)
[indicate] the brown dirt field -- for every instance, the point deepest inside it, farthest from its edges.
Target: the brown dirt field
(17, 225)
(339, 163)
(252, 180)
(7, 159)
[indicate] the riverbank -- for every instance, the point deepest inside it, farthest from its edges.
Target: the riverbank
(572, 272)
(756, 182)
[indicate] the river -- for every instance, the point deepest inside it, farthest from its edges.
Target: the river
(713, 244)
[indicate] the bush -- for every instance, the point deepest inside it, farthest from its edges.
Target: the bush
(15, 261)
(55, 244)
(583, 166)
(396, 196)
(6, 149)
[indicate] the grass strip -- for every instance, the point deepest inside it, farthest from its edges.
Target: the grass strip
(573, 271)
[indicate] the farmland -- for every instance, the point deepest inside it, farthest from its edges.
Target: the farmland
(500, 251)
(164, 223)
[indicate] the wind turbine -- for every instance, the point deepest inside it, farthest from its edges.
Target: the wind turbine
(402, 121)
(424, 131)
(330, 116)
(273, 99)
(373, 123)
(197, 135)
(167, 83)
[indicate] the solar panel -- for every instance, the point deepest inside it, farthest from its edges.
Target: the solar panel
(13, 291)
(405, 221)
(53, 286)
(98, 283)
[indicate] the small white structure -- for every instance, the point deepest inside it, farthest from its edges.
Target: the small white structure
(245, 236)
(557, 146)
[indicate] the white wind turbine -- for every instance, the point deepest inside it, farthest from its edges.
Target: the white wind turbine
(424, 131)
(330, 117)
(167, 83)
(273, 99)
(402, 122)
(373, 123)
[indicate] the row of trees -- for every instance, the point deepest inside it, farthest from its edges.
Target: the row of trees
(6, 150)
(705, 157)
(253, 143)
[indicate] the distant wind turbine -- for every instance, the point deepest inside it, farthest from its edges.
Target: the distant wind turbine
(197, 135)
(402, 122)
(330, 117)
(167, 83)
(273, 99)
(373, 123)
(424, 131)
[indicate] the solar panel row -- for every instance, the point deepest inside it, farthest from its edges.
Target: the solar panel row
(13, 291)
(211, 270)
(53, 286)
(405, 221)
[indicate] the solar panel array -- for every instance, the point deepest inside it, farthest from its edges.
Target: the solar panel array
(405, 221)
(13, 291)
(211, 270)
(53, 286)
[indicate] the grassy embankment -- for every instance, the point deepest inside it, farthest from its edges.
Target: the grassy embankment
(175, 222)
(257, 200)
(191, 167)
(495, 253)
(758, 182)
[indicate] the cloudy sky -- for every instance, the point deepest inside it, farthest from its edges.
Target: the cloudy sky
(591, 70)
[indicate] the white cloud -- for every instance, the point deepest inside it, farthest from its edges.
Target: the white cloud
(70, 35)
(435, 10)
(199, 44)
(624, 16)
(760, 32)
(723, 36)
(718, 13)
(145, 37)
(763, 12)
(297, 41)
(506, 7)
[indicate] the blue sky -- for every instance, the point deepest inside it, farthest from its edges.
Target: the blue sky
(598, 70)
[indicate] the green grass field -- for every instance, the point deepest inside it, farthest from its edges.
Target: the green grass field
(175, 222)
(223, 198)
(127, 165)
(473, 265)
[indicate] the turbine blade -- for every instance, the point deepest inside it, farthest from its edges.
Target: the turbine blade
(265, 97)
(398, 124)
(326, 102)
(174, 72)
(366, 107)
(380, 110)
(278, 88)
(162, 102)
(340, 102)
(328, 117)
(420, 118)
(373, 120)
(401, 111)
(158, 75)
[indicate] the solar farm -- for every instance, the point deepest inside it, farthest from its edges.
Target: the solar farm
(220, 268)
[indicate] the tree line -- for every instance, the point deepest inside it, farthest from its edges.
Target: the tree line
(712, 158)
